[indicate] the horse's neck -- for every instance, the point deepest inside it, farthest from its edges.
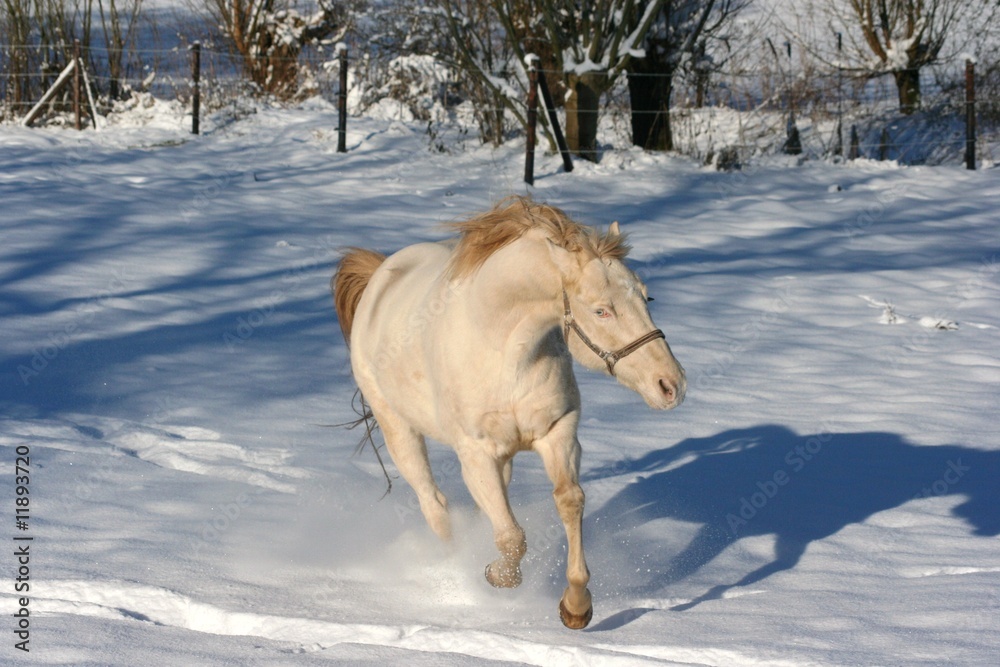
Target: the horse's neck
(519, 286)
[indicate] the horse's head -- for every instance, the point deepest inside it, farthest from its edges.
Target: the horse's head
(608, 326)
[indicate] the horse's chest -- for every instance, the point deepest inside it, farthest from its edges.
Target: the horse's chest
(502, 429)
(516, 428)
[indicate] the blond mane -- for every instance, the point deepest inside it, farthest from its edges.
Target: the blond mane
(511, 218)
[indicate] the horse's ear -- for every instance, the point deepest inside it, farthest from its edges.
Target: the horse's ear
(613, 231)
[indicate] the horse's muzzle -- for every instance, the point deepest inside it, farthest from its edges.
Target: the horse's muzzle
(671, 392)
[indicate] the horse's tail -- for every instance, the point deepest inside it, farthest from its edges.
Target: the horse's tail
(349, 282)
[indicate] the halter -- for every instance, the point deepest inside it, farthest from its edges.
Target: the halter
(610, 358)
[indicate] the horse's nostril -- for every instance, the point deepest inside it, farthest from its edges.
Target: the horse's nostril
(667, 388)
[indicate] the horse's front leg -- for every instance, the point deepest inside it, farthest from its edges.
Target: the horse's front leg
(560, 453)
(487, 479)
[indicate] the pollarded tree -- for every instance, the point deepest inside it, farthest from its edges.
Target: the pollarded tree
(901, 36)
(678, 36)
(591, 43)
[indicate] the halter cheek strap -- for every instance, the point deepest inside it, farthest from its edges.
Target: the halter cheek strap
(610, 357)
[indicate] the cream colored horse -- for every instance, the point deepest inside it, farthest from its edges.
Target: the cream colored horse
(470, 344)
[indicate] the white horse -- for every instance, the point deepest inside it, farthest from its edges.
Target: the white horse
(470, 344)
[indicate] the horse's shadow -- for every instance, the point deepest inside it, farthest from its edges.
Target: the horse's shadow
(768, 480)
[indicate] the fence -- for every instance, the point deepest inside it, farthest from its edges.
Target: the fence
(164, 73)
(732, 117)
(748, 115)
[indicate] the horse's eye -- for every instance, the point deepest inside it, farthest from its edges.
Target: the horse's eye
(649, 298)
(602, 313)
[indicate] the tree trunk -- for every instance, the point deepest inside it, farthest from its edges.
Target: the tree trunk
(582, 105)
(908, 83)
(649, 90)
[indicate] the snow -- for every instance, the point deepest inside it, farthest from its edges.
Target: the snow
(827, 495)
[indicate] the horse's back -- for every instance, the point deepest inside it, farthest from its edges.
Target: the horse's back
(402, 279)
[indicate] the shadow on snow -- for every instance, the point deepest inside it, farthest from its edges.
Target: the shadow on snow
(767, 480)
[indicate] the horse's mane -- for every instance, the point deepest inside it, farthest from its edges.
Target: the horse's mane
(511, 218)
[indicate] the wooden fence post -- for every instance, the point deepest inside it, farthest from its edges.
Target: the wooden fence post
(77, 84)
(970, 115)
(196, 88)
(90, 94)
(342, 102)
(529, 150)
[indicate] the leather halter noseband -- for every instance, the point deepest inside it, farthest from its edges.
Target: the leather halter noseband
(609, 357)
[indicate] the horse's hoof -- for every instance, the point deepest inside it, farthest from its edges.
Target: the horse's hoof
(575, 621)
(508, 579)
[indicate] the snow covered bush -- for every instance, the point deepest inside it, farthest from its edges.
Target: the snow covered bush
(270, 35)
(415, 85)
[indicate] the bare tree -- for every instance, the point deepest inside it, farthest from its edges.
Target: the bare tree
(16, 31)
(119, 23)
(37, 40)
(477, 46)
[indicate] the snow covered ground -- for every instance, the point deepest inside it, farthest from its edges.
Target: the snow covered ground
(827, 495)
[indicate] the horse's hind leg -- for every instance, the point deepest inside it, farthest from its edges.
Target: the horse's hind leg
(409, 452)
(486, 479)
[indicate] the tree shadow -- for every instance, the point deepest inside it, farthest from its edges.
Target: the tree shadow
(768, 480)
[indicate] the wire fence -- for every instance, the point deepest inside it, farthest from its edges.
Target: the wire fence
(163, 73)
(749, 114)
(739, 114)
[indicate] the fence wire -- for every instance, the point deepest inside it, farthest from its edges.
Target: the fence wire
(751, 113)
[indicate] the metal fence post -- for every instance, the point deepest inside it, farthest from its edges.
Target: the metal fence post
(970, 115)
(196, 87)
(529, 150)
(342, 103)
